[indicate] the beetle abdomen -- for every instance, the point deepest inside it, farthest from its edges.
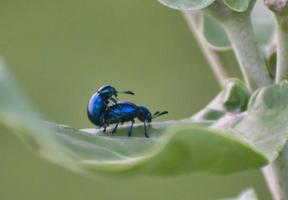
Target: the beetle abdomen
(95, 109)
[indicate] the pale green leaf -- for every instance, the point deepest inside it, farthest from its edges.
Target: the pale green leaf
(271, 62)
(214, 33)
(175, 147)
(237, 5)
(186, 4)
(181, 149)
(232, 99)
(265, 124)
(263, 22)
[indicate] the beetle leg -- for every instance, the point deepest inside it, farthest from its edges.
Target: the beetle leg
(114, 100)
(104, 130)
(145, 130)
(115, 128)
(131, 127)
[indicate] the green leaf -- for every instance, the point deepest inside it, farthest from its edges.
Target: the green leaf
(175, 147)
(271, 62)
(232, 99)
(214, 33)
(265, 124)
(248, 194)
(263, 23)
(237, 5)
(186, 4)
(181, 149)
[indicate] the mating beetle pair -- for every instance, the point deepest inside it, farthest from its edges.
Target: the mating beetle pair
(102, 115)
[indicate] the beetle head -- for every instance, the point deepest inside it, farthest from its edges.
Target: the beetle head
(144, 114)
(107, 91)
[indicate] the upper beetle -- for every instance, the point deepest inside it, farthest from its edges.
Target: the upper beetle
(99, 102)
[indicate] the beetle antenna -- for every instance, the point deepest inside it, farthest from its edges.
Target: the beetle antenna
(159, 114)
(126, 92)
(163, 113)
(156, 113)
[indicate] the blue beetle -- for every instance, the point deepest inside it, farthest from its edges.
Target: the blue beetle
(99, 102)
(125, 111)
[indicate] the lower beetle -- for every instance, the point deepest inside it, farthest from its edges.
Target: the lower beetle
(125, 111)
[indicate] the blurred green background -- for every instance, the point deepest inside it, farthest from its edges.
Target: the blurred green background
(61, 51)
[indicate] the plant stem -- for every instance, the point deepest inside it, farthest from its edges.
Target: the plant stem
(282, 49)
(276, 175)
(280, 167)
(272, 182)
(240, 32)
(213, 60)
